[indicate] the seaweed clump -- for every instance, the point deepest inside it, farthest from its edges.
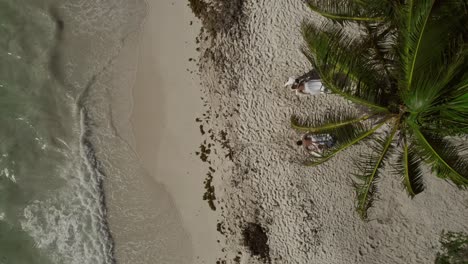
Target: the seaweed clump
(256, 240)
(218, 15)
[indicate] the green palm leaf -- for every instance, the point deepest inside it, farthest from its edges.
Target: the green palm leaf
(409, 166)
(429, 32)
(357, 11)
(417, 19)
(322, 125)
(346, 136)
(369, 168)
(342, 65)
(461, 88)
(452, 111)
(438, 85)
(379, 39)
(453, 115)
(443, 156)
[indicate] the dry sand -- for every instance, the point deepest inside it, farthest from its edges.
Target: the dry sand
(290, 213)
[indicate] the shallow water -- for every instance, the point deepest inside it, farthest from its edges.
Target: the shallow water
(51, 205)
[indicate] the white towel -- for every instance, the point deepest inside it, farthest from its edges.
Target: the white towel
(314, 87)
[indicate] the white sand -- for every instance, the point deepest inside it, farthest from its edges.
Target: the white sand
(167, 101)
(308, 213)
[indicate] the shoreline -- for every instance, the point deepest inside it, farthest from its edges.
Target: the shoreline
(143, 219)
(96, 171)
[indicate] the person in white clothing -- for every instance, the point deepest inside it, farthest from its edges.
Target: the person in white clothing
(309, 83)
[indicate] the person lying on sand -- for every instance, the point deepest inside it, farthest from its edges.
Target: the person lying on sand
(316, 144)
(310, 147)
(308, 83)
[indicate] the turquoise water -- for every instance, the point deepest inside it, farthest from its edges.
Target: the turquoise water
(50, 199)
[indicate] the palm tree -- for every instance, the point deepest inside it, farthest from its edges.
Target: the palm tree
(408, 70)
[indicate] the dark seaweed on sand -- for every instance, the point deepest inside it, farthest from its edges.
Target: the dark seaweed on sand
(209, 194)
(256, 240)
(218, 15)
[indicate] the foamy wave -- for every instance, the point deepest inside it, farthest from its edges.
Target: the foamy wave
(67, 233)
(71, 226)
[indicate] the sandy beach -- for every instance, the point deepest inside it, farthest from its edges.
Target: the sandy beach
(275, 209)
(217, 119)
(159, 132)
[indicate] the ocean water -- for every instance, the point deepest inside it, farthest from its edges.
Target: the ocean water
(51, 200)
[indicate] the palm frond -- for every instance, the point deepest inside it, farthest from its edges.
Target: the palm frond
(442, 155)
(370, 166)
(428, 29)
(332, 120)
(380, 40)
(343, 66)
(453, 116)
(416, 19)
(409, 166)
(330, 44)
(461, 88)
(438, 87)
(355, 11)
(451, 112)
(346, 136)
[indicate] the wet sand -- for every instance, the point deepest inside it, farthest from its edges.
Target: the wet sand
(167, 100)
